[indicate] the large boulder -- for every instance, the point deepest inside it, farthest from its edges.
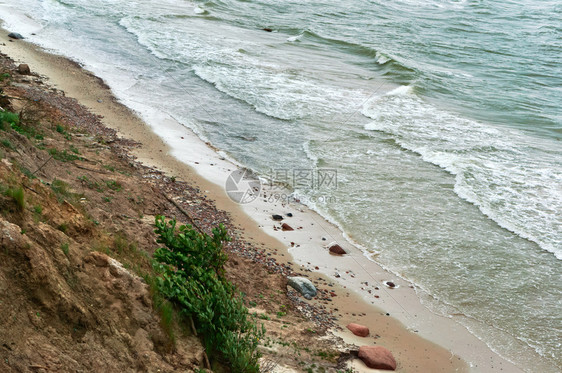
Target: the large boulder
(359, 330)
(303, 286)
(377, 357)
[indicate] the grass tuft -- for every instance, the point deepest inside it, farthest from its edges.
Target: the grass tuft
(63, 156)
(64, 248)
(18, 196)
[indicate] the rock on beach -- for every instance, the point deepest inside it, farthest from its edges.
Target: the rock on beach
(337, 249)
(377, 357)
(286, 227)
(15, 35)
(358, 330)
(303, 286)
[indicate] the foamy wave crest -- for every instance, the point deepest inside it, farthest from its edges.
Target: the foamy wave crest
(275, 92)
(235, 67)
(513, 178)
(309, 153)
(292, 39)
(381, 58)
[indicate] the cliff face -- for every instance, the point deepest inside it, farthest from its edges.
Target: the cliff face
(76, 232)
(68, 204)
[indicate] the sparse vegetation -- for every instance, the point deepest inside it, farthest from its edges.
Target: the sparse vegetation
(62, 190)
(60, 129)
(18, 196)
(27, 172)
(63, 156)
(64, 248)
(7, 117)
(27, 130)
(7, 144)
(113, 185)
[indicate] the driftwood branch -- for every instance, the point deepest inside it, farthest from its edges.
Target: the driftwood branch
(183, 212)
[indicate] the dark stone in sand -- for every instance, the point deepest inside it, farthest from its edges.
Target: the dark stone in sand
(277, 217)
(267, 29)
(337, 249)
(15, 35)
(390, 284)
(24, 69)
(286, 227)
(377, 357)
(289, 215)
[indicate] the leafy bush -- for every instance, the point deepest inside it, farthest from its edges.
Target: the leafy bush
(192, 276)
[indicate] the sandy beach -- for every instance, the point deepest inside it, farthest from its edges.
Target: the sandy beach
(420, 340)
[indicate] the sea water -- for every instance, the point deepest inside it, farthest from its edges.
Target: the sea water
(442, 119)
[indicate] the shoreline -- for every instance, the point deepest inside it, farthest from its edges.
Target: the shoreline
(209, 174)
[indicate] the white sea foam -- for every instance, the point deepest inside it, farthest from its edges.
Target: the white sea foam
(292, 39)
(381, 58)
(198, 10)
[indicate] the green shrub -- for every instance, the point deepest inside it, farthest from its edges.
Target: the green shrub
(7, 117)
(192, 277)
